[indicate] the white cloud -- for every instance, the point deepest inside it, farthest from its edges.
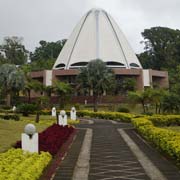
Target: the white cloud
(52, 20)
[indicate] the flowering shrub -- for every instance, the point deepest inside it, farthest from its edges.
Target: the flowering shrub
(16, 164)
(166, 140)
(73, 122)
(165, 120)
(51, 139)
(124, 117)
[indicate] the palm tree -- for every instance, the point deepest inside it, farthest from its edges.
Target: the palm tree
(34, 85)
(63, 90)
(49, 90)
(11, 80)
(157, 96)
(96, 78)
(139, 97)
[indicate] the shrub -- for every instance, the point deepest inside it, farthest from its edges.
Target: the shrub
(17, 164)
(4, 107)
(166, 140)
(148, 113)
(46, 112)
(10, 117)
(165, 120)
(73, 122)
(123, 109)
(124, 117)
(77, 106)
(27, 109)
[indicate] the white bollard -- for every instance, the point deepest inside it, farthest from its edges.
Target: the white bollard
(62, 120)
(53, 112)
(29, 139)
(73, 113)
(14, 108)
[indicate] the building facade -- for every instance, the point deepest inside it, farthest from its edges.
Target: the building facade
(97, 36)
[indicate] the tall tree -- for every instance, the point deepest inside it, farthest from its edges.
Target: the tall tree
(11, 80)
(97, 78)
(14, 50)
(162, 48)
(63, 90)
(32, 85)
(47, 50)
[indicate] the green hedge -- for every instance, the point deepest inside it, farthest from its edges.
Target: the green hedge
(166, 140)
(10, 117)
(124, 117)
(165, 120)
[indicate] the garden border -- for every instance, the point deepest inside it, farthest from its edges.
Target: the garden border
(50, 170)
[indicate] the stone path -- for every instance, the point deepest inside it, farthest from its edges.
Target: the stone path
(111, 158)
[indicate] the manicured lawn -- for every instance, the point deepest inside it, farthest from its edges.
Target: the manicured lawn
(44, 119)
(10, 132)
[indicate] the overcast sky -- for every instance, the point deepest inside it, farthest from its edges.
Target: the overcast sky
(53, 20)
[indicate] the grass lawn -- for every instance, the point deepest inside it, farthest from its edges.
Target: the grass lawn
(10, 130)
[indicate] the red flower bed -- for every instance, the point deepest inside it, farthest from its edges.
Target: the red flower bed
(52, 138)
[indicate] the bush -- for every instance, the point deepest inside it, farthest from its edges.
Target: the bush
(124, 117)
(4, 107)
(148, 113)
(27, 109)
(17, 164)
(77, 106)
(165, 120)
(123, 109)
(166, 140)
(10, 117)
(51, 139)
(46, 112)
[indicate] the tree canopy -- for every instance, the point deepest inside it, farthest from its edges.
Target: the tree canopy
(13, 51)
(11, 80)
(162, 48)
(47, 50)
(96, 77)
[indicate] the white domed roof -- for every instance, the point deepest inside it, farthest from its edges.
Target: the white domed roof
(97, 36)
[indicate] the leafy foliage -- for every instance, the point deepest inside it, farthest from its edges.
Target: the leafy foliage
(148, 97)
(165, 140)
(123, 109)
(165, 120)
(161, 48)
(17, 164)
(171, 103)
(14, 51)
(26, 109)
(11, 80)
(47, 50)
(118, 116)
(63, 90)
(10, 117)
(96, 77)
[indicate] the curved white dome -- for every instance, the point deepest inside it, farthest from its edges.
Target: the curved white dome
(97, 36)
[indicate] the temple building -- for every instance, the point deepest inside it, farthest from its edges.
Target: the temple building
(98, 36)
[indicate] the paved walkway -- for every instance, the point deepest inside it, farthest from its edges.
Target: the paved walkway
(116, 153)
